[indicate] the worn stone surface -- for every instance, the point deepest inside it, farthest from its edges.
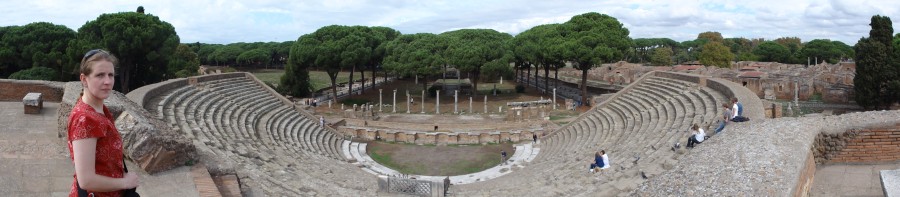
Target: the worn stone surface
(755, 158)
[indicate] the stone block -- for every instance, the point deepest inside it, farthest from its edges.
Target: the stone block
(33, 102)
(425, 138)
(485, 138)
(466, 138)
(890, 182)
(370, 134)
(442, 138)
(389, 137)
(406, 137)
(452, 138)
(504, 136)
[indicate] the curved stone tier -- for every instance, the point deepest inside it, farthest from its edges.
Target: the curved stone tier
(237, 122)
(637, 127)
(275, 149)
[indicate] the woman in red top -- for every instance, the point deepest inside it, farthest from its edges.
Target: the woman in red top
(94, 142)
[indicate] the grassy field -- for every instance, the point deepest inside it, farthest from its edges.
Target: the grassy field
(437, 160)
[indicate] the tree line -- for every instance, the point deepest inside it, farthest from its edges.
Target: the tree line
(584, 41)
(148, 49)
(710, 48)
(254, 55)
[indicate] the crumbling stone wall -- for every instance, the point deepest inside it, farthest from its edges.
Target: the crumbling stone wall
(858, 146)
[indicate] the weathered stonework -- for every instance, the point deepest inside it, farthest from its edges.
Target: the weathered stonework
(425, 138)
(389, 136)
(406, 137)
(442, 138)
(858, 146)
(485, 138)
(466, 138)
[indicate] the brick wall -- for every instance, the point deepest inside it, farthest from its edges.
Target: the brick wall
(859, 146)
(807, 174)
(872, 145)
(15, 90)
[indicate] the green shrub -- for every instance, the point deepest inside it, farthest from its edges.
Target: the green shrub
(35, 73)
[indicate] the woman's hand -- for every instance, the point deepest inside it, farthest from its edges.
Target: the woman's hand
(130, 180)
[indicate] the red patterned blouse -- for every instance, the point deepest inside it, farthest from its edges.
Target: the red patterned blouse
(84, 123)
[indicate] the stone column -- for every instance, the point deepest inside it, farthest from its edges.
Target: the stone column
(437, 102)
(501, 79)
(408, 104)
(423, 101)
(456, 101)
(485, 104)
(380, 94)
(470, 106)
(395, 101)
(342, 107)
(554, 98)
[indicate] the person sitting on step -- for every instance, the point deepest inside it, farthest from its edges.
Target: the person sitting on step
(697, 136)
(605, 159)
(597, 163)
(737, 111)
(726, 117)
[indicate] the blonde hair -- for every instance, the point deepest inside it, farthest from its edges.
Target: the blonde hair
(92, 56)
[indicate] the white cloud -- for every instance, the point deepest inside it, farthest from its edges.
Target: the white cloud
(222, 21)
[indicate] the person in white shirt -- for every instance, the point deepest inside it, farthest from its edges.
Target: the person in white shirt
(697, 136)
(735, 110)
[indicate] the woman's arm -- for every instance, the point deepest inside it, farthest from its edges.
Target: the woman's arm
(84, 152)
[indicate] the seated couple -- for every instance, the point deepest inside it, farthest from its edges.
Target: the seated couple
(601, 161)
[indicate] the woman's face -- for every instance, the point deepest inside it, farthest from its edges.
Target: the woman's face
(101, 80)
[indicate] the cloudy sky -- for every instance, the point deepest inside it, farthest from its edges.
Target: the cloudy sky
(221, 21)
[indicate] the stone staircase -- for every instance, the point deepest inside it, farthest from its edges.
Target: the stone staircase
(276, 150)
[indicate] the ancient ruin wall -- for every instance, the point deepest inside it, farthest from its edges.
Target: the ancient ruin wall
(15, 90)
(858, 146)
(438, 138)
(386, 125)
